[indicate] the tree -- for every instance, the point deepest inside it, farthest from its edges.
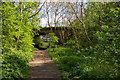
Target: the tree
(18, 24)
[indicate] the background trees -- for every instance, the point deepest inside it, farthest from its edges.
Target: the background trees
(92, 48)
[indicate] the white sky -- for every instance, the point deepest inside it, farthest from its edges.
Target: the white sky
(43, 22)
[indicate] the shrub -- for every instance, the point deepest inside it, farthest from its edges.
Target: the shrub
(38, 41)
(17, 39)
(15, 65)
(53, 39)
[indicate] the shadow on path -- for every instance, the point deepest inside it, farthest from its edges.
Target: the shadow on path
(42, 67)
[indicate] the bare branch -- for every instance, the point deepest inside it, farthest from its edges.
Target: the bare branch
(37, 11)
(81, 21)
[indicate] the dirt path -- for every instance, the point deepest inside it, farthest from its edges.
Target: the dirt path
(42, 67)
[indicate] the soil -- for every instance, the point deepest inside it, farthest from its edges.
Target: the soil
(42, 67)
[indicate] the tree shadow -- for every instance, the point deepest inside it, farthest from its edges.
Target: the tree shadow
(43, 68)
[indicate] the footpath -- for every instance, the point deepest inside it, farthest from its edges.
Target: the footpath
(42, 67)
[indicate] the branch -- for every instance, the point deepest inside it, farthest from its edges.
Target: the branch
(81, 21)
(37, 11)
(61, 11)
(59, 18)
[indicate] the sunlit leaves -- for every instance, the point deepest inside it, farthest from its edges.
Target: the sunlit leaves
(17, 38)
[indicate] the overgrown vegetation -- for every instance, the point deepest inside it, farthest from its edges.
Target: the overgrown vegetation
(94, 49)
(100, 61)
(90, 50)
(53, 40)
(18, 31)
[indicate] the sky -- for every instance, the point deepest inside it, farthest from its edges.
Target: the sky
(43, 20)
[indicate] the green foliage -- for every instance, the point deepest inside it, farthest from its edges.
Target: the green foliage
(99, 60)
(53, 39)
(15, 65)
(38, 41)
(85, 63)
(17, 38)
(91, 52)
(45, 44)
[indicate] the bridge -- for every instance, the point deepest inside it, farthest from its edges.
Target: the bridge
(61, 32)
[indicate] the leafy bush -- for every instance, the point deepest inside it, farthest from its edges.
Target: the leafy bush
(93, 50)
(17, 39)
(68, 62)
(15, 65)
(53, 39)
(38, 41)
(101, 61)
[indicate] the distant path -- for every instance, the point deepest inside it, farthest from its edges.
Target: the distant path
(42, 67)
